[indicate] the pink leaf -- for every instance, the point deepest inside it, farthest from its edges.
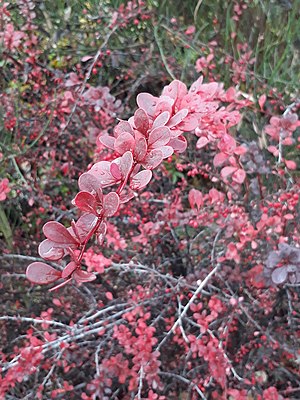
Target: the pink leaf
(140, 150)
(126, 163)
(141, 121)
(124, 142)
(195, 198)
(147, 102)
(261, 101)
(102, 172)
(161, 119)
(85, 201)
(101, 232)
(188, 124)
(202, 142)
(41, 273)
(115, 171)
(58, 233)
(196, 85)
(159, 137)
(178, 118)
(108, 141)
(226, 171)
(141, 179)
(167, 151)
(69, 269)
(179, 144)
(126, 195)
(153, 159)
(123, 127)
(219, 159)
(86, 58)
(239, 176)
(290, 164)
(81, 276)
(49, 251)
(111, 204)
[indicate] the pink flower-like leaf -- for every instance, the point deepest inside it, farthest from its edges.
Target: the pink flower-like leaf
(147, 102)
(111, 204)
(141, 120)
(81, 276)
(49, 251)
(141, 179)
(69, 269)
(124, 142)
(41, 273)
(85, 201)
(159, 137)
(153, 159)
(57, 233)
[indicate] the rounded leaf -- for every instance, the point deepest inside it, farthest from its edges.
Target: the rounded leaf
(58, 233)
(147, 102)
(42, 274)
(111, 204)
(153, 159)
(141, 179)
(89, 183)
(81, 276)
(48, 251)
(141, 120)
(85, 201)
(124, 142)
(69, 269)
(279, 275)
(159, 137)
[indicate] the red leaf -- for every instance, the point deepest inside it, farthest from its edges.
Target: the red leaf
(58, 233)
(41, 273)
(124, 142)
(102, 172)
(49, 251)
(69, 269)
(111, 204)
(147, 102)
(141, 120)
(141, 179)
(89, 183)
(85, 224)
(85, 201)
(83, 276)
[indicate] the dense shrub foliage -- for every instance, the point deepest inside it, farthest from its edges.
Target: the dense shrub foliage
(151, 154)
